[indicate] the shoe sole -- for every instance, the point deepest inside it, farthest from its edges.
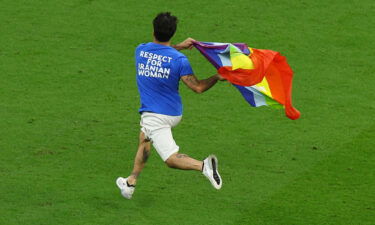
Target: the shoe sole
(118, 182)
(214, 164)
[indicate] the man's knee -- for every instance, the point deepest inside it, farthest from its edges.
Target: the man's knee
(171, 161)
(143, 138)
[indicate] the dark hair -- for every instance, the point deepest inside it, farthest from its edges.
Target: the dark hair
(165, 26)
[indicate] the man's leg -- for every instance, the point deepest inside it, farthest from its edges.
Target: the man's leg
(184, 162)
(141, 157)
(209, 166)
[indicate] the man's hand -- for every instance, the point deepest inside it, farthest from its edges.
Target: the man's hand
(187, 44)
(219, 77)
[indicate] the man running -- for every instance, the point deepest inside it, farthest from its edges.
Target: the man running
(160, 66)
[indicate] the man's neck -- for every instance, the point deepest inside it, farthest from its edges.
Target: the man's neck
(167, 43)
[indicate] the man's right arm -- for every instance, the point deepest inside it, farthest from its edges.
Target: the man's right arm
(187, 44)
(200, 86)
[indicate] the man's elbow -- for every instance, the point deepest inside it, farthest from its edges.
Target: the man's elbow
(198, 90)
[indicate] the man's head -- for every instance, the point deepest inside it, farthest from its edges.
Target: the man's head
(165, 26)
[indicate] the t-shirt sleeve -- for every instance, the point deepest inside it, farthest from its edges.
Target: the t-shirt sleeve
(185, 68)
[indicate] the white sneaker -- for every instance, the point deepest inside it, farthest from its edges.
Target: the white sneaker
(126, 190)
(210, 170)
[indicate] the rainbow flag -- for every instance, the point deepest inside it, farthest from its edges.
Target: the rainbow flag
(263, 77)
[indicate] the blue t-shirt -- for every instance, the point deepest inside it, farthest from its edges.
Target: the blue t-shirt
(159, 69)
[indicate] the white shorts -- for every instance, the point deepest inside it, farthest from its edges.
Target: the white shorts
(158, 128)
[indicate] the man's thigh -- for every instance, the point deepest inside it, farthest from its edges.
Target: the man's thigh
(157, 128)
(163, 142)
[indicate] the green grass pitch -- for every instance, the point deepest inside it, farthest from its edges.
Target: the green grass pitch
(69, 123)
